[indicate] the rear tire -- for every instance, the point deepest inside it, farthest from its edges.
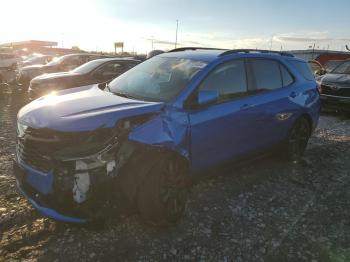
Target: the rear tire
(297, 139)
(162, 196)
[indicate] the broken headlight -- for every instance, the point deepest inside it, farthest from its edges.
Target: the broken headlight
(104, 158)
(91, 168)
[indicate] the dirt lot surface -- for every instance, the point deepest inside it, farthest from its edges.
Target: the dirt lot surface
(266, 211)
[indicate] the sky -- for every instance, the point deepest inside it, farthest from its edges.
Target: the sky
(96, 24)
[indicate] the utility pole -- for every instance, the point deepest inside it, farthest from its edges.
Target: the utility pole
(177, 27)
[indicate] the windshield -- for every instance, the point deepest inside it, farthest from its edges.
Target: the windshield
(57, 61)
(330, 65)
(157, 79)
(343, 68)
(88, 67)
(33, 59)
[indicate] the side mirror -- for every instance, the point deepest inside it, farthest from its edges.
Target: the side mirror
(207, 97)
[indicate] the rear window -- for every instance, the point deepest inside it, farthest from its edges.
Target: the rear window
(304, 69)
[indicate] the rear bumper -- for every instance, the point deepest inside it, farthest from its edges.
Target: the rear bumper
(335, 102)
(21, 172)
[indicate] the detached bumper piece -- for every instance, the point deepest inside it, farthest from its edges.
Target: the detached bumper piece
(68, 182)
(44, 203)
(65, 196)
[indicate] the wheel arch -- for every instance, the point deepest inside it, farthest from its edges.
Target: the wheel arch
(309, 120)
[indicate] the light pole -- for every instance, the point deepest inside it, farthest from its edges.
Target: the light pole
(152, 41)
(177, 27)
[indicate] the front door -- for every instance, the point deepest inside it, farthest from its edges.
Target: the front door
(226, 129)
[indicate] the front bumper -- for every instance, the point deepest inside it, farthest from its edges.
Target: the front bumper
(335, 102)
(30, 182)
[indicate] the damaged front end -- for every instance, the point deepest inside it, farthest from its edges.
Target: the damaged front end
(72, 176)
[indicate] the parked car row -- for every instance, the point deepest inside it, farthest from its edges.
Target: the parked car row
(61, 64)
(94, 72)
(144, 130)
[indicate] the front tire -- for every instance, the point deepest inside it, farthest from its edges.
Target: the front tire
(162, 196)
(298, 138)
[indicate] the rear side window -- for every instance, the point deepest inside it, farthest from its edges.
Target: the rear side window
(113, 68)
(267, 74)
(303, 69)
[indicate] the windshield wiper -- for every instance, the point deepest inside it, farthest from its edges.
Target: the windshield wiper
(123, 94)
(108, 88)
(119, 93)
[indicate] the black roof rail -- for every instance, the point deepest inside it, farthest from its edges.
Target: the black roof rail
(236, 51)
(193, 48)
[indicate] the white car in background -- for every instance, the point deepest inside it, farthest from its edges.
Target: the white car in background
(8, 60)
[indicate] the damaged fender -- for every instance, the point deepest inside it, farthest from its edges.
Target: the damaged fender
(169, 131)
(158, 137)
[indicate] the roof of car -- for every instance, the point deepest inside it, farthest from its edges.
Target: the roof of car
(209, 55)
(204, 55)
(108, 59)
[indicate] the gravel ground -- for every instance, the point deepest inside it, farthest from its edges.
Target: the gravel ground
(266, 211)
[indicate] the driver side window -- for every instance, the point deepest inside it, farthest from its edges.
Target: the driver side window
(228, 79)
(112, 69)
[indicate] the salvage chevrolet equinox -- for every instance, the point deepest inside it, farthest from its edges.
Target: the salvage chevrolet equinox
(145, 136)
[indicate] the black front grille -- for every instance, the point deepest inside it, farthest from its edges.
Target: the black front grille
(42, 148)
(335, 90)
(34, 155)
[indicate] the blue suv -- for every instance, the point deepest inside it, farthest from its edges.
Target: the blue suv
(141, 139)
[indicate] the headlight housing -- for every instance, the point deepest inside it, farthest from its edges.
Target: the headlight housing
(21, 129)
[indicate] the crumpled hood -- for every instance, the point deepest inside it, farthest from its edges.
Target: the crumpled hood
(342, 79)
(82, 109)
(54, 76)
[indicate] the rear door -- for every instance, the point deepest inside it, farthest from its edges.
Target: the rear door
(271, 94)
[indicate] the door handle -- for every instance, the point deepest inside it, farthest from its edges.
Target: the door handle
(293, 94)
(246, 106)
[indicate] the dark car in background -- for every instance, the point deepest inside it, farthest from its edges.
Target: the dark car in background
(335, 88)
(37, 60)
(93, 72)
(9, 60)
(61, 64)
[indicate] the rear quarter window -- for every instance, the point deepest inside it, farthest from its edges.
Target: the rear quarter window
(303, 69)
